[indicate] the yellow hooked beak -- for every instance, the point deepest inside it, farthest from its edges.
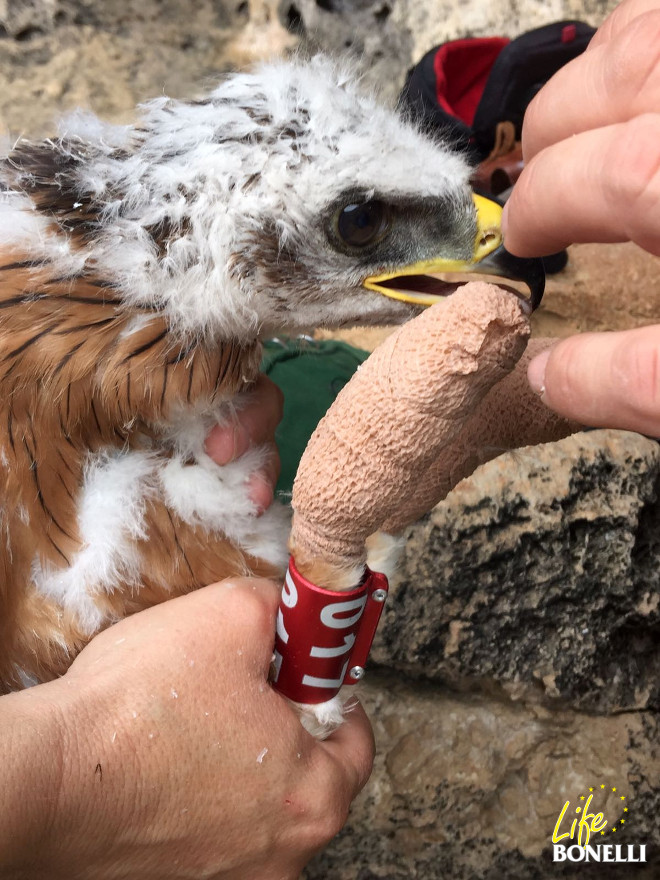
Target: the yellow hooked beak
(488, 258)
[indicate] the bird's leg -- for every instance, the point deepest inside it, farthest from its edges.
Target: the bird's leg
(402, 409)
(510, 416)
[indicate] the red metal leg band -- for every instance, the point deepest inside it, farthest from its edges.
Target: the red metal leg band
(324, 636)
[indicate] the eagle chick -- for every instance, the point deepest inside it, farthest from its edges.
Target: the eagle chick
(140, 265)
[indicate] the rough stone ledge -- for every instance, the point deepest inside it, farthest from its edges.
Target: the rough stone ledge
(539, 574)
(470, 787)
(517, 666)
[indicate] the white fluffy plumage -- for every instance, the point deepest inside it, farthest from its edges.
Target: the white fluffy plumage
(195, 202)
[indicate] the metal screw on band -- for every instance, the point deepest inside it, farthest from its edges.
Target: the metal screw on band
(379, 595)
(357, 672)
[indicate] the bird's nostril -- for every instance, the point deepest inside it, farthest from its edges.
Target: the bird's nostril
(488, 238)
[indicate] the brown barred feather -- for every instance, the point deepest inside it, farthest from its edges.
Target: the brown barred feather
(72, 380)
(179, 558)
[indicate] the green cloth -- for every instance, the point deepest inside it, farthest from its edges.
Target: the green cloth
(310, 373)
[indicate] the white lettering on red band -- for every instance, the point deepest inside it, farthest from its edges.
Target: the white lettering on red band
(331, 683)
(289, 592)
(281, 629)
(349, 641)
(323, 633)
(329, 614)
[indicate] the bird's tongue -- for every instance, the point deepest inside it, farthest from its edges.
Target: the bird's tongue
(422, 284)
(437, 286)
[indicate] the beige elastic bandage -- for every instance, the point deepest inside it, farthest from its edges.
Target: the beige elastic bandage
(418, 416)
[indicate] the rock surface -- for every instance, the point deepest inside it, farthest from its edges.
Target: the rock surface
(517, 667)
(468, 786)
(59, 54)
(518, 662)
(539, 575)
(390, 35)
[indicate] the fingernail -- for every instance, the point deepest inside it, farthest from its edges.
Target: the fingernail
(536, 372)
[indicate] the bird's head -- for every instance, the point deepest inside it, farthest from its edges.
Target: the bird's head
(287, 199)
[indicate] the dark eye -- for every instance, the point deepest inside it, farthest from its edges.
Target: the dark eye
(361, 225)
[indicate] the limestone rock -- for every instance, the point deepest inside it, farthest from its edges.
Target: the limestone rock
(390, 35)
(518, 666)
(539, 574)
(21, 19)
(56, 55)
(470, 787)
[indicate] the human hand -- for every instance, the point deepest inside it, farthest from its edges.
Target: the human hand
(591, 144)
(607, 380)
(591, 141)
(254, 425)
(176, 757)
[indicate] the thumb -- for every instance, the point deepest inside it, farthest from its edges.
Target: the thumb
(607, 380)
(353, 747)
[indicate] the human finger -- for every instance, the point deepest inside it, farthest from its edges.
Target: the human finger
(352, 747)
(601, 185)
(253, 425)
(251, 604)
(614, 83)
(194, 622)
(608, 380)
(619, 19)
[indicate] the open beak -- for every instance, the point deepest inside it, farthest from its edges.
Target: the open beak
(429, 281)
